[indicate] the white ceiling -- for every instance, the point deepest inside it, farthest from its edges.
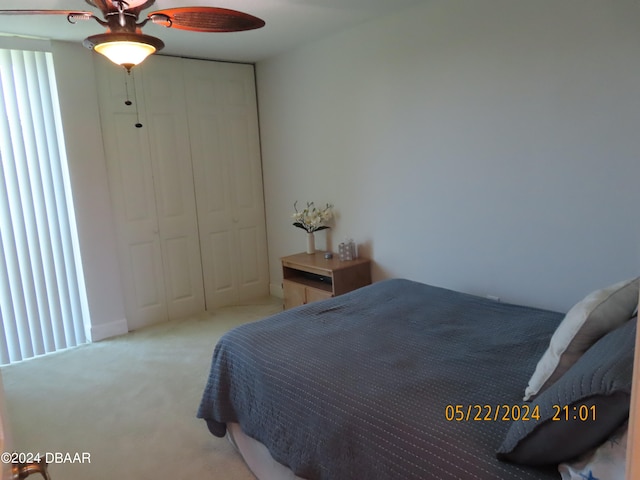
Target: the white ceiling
(289, 23)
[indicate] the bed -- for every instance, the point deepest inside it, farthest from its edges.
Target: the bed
(401, 380)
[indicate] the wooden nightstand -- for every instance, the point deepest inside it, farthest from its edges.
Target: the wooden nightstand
(307, 277)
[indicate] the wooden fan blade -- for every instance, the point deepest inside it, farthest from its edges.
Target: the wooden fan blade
(208, 19)
(45, 12)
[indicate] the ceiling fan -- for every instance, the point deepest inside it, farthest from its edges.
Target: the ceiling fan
(125, 44)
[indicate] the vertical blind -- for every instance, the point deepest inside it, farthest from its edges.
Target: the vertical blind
(42, 300)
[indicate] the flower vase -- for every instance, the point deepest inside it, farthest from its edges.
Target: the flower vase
(311, 243)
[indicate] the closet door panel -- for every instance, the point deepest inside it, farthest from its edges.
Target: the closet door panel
(133, 175)
(143, 257)
(244, 167)
(214, 212)
(219, 252)
(173, 200)
(225, 150)
(177, 254)
(248, 199)
(213, 192)
(166, 120)
(250, 262)
(140, 243)
(133, 200)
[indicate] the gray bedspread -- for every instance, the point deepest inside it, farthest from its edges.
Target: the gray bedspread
(359, 386)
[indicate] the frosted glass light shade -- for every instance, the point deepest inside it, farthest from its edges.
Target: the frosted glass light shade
(125, 53)
(123, 48)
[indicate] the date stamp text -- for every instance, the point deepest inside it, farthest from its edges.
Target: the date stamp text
(513, 412)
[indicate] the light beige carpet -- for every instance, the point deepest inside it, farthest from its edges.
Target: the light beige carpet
(129, 402)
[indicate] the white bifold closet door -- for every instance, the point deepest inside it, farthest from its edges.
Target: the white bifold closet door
(186, 187)
(225, 148)
(151, 184)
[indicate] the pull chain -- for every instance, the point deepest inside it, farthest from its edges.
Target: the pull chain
(135, 99)
(128, 102)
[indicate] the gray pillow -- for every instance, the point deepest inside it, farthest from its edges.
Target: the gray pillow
(597, 385)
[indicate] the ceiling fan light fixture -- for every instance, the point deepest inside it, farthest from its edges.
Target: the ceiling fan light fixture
(125, 49)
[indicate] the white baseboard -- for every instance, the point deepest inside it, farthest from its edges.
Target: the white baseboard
(108, 330)
(276, 290)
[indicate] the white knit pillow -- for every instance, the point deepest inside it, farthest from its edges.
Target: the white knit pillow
(588, 320)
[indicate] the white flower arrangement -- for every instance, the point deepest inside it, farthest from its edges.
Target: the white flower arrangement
(312, 219)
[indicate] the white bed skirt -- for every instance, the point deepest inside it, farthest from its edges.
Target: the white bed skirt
(257, 457)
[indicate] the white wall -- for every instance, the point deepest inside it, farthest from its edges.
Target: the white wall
(490, 147)
(75, 79)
